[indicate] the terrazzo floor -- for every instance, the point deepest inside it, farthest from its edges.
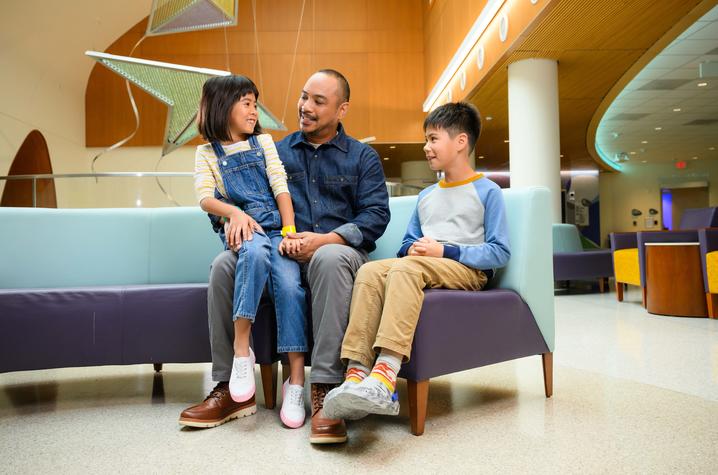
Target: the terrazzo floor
(633, 393)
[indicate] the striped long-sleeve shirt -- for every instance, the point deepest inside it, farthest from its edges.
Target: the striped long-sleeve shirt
(207, 176)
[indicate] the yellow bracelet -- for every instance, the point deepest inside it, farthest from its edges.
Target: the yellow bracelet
(288, 229)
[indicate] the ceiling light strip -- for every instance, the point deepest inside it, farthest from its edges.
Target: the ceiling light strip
(480, 25)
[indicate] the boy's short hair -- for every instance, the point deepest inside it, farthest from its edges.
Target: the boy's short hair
(344, 90)
(456, 118)
(219, 95)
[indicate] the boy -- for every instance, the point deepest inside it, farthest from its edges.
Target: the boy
(456, 238)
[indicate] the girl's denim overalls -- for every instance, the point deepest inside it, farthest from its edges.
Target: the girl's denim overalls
(258, 261)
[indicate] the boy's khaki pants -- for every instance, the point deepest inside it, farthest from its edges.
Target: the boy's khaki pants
(387, 299)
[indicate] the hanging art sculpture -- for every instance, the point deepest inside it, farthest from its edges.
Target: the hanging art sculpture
(178, 86)
(178, 16)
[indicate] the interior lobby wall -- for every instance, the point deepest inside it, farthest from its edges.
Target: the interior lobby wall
(639, 187)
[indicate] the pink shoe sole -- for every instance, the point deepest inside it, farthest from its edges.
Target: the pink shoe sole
(291, 424)
(243, 397)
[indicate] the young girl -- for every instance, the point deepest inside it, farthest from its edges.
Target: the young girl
(239, 177)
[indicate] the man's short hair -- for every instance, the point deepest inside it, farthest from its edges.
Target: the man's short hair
(343, 83)
(456, 118)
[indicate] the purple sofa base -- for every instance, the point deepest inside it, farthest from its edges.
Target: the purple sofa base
(114, 325)
(584, 265)
(481, 328)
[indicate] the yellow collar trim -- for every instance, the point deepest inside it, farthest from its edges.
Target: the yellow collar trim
(443, 183)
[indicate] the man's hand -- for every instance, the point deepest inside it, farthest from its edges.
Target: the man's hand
(310, 242)
(239, 228)
(426, 247)
(290, 246)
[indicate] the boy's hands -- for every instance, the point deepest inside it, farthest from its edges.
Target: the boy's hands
(426, 247)
(240, 228)
(290, 245)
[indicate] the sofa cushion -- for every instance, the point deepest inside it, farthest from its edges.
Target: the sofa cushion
(44, 248)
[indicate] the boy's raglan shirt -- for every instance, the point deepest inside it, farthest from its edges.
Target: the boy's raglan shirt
(468, 217)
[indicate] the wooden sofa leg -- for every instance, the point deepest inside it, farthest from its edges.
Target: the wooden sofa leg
(547, 359)
(712, 301)
(269, 384)
(601, 285)
(418, 399)
(644, 291)
(158, 367)
(619, 291)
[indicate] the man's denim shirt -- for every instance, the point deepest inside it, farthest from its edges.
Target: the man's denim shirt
(338, 187)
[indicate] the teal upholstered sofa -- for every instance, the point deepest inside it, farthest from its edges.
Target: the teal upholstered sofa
(82, 287)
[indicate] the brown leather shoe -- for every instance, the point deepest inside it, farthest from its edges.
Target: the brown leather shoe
(324, 430)
(216, 409)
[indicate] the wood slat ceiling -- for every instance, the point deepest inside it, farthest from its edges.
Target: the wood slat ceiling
(595, 43)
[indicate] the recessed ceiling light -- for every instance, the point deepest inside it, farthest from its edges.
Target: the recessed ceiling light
(711, 148)
(386, 158)
(644, 141)
(481, 157)
(633, 153)
(694, 158)
(506, 141)
(677, 109)
(702, 84)
(658, 128)
(392, 146)
(644, 161)
(561, 156)
(488, 117)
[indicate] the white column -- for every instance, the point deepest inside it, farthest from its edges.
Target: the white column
(534, 142)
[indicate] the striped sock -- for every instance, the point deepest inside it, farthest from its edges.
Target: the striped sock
(385, 370)
(356, 372)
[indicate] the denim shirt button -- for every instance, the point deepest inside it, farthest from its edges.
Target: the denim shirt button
(316, 225)
(315, 155)
(313, 180)
(259, 153)
(224, 162)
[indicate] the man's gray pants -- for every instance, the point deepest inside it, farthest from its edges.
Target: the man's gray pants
(330, 275)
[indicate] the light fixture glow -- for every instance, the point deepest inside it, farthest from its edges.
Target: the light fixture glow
(702, 84)
(677, 109)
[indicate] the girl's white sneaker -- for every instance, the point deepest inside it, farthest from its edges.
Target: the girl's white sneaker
(293, 412)
(241, 381)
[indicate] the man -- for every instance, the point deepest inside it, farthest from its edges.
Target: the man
(341, 208)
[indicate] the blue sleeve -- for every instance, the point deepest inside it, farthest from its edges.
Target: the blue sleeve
(495, 251)
(372, 205)
(413, 232)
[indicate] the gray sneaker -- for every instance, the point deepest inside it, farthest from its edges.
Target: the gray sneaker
(369, 396)
(332, 410)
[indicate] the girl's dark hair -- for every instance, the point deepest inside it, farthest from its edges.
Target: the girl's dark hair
(219, 95)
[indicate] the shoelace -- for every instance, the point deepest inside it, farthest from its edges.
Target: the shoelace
(217, 392)
(318, 395)
(295, 396)
(243, 368)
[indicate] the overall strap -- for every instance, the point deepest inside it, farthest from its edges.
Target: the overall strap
(218, 150)
(254, 142)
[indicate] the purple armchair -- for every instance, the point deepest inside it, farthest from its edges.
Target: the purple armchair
(572, 262)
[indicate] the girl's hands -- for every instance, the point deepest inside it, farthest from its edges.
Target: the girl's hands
(240, 228)
(290, 245)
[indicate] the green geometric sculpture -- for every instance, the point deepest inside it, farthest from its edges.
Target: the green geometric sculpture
(177, 16)
(178, 86)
